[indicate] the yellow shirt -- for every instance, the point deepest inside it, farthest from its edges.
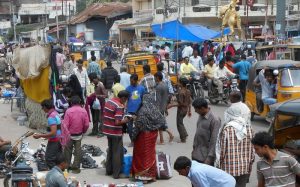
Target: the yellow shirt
(187, 69)
(210, 70)
(117, 88)
(90, 89)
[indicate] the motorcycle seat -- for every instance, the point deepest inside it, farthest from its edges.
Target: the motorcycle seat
(22, 170)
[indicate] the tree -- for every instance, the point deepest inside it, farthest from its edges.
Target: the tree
(80, 5)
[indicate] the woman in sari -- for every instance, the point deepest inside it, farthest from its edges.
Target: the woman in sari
(145, 132)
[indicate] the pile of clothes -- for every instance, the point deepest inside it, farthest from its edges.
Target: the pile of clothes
(88, 152)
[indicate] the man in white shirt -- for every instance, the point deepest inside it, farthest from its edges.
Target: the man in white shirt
(150, 48)
(125, 51)
(221, 73)
(187, 51)
(125, 77)
(167, 48)
(196, 61)
(81, 75)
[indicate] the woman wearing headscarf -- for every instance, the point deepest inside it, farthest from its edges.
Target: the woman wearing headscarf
(145, 131)
(74, 84)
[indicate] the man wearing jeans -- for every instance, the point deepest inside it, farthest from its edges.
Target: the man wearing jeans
(243, 67)
(135, 99)
(77, 122)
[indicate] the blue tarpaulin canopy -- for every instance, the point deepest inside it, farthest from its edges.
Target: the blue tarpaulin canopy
(177, 31)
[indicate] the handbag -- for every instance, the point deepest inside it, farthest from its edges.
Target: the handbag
(163, 165)
(96, 104)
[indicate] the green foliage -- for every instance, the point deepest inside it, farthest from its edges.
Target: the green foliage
(80, 5)
(19, 28)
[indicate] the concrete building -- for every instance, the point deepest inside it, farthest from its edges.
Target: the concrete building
(6, 15)
(257, 18)
(38, 11)
(98, 18)
(293, 18)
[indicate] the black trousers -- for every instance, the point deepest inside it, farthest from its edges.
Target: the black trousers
(97, 126)
(114, 160)
(242, 87)
(52, 150)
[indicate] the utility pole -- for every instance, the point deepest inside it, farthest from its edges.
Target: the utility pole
(12, 12)
(280, 17)
(57, 30)
(184, 8)
(62, 8)
(14, 22)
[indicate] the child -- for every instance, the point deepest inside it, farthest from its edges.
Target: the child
(183, 105)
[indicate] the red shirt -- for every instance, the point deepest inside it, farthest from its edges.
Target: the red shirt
(113, 110)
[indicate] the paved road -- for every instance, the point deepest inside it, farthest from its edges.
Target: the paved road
(11, 130)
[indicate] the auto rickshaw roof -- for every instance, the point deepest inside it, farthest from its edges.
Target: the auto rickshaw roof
(137, 53)
(290, 107)
(275, 64)
(91, 48)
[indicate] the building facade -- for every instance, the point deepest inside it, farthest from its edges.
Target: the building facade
(255, 20)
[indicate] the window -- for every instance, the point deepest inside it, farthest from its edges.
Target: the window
(195, 2)
(159, 11)
(147, 35)
(141, 62)
(290, 77)
(201, 9)
(285, 121)
(172, 10)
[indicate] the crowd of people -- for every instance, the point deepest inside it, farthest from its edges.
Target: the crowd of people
(119, 104)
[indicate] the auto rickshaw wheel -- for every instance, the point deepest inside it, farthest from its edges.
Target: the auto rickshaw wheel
(252, 116)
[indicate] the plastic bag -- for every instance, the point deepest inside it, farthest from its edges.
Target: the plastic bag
(96, 104)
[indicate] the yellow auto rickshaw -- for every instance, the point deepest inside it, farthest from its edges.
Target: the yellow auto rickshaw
(288, 84)
(86, 56)
(75, 49)
(286, 124)
(285, 129)
(136, 60)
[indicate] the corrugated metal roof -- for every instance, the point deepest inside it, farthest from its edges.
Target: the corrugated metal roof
(108, 10)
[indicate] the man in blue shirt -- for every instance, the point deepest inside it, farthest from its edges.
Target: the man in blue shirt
(135, 100)
(203, 175)
(243, 67)
(94, 67)
(55, 177)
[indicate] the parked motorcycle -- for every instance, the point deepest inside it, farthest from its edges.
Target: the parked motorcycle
(229, 85)
(18, 171)
(195, 85)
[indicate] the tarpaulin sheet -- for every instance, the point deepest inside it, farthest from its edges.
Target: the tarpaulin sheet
(192, 32)
(38, 88)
